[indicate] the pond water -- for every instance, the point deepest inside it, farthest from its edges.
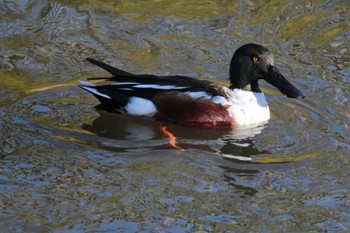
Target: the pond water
(67, 167)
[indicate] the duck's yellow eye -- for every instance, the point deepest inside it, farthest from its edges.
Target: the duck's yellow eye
(255, 59)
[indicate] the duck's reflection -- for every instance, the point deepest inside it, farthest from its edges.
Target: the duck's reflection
(236, 147)
(119, 127)
(236, 144)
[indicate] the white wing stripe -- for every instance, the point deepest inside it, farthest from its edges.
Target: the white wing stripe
(93, 90)
(86, 83)
(165, 87)
(146, 86)
(199, 94)
(179, 87)
(161, 87)
(169, 87)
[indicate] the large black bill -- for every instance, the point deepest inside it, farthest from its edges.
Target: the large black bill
(275, 78)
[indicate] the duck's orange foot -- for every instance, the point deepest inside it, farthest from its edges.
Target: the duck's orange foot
(172, 138)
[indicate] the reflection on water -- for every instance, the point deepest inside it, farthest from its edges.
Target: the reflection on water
(147, 132)
(66, 167)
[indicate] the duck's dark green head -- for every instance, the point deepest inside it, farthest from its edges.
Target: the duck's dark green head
(252, 62)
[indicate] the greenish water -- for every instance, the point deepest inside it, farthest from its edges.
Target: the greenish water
(66, 167)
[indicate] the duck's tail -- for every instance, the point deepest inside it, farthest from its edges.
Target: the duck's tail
(110, 69)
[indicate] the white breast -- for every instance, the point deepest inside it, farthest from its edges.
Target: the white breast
(248, 108)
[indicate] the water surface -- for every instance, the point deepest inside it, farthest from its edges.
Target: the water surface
(66, 167)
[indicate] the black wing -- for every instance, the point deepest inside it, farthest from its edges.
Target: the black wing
(147, 86)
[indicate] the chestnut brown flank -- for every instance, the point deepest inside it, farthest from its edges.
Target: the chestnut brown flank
(185, 110)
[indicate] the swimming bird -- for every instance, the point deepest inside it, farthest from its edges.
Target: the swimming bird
(194, 102)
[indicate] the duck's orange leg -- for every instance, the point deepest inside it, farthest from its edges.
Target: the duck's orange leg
(172, 138)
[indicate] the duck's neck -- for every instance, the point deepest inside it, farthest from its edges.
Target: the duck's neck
(254, 87)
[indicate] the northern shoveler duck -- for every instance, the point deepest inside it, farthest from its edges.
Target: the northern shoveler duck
(194, 102)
